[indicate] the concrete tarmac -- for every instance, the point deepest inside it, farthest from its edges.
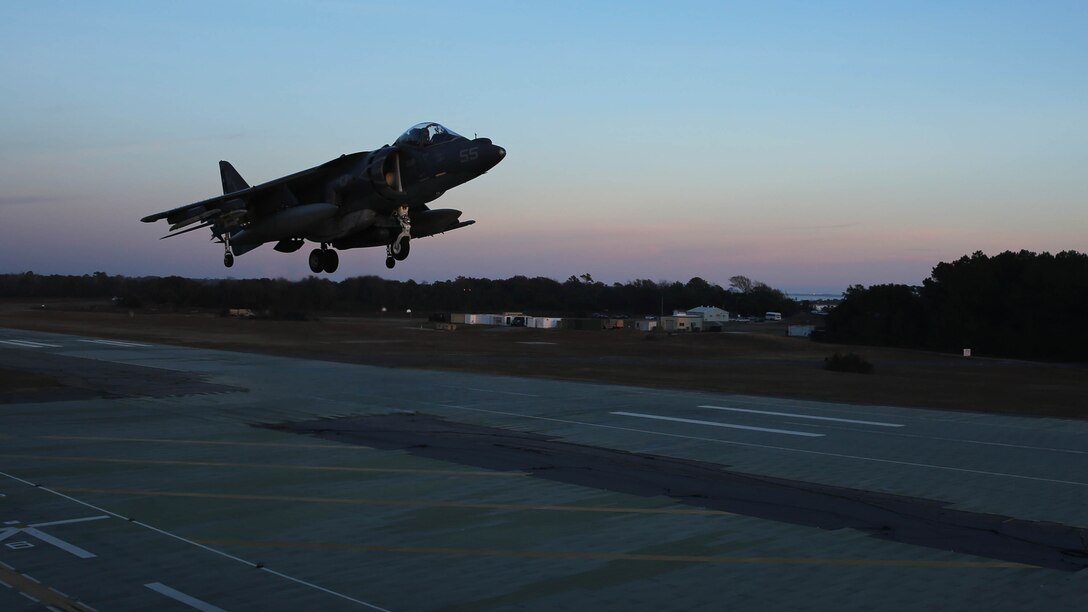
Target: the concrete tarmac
(143, 482)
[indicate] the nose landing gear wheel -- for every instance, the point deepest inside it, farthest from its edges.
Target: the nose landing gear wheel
(401, 248)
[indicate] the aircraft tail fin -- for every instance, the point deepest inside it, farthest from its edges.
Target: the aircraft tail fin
(232, 181)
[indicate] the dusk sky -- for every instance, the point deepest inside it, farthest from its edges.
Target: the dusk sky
(808, 145)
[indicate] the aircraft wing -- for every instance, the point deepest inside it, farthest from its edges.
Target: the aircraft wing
(210, 208)
(247, 204)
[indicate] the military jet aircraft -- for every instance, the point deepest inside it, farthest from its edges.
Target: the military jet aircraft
(370, 198)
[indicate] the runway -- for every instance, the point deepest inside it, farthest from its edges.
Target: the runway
(149, 478)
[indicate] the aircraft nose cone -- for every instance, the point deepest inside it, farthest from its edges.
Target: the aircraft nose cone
(490, 153)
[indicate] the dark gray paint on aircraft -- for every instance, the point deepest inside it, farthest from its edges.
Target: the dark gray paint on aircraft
(365, 199)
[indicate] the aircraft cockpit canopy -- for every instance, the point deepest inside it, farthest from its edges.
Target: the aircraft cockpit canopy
(427, 134)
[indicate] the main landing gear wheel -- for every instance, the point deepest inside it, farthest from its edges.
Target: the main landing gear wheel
(228, 259)
(324, 260)
(332, 261)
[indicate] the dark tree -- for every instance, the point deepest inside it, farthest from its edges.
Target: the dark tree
(880, 315)
(1015, 304)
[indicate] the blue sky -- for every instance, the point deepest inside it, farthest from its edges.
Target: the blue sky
(808, 145)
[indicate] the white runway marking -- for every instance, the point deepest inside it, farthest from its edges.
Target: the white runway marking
(804, 416)
(69, 521)
(538, 343)
(59, 543)
(196, 544)
(787, 432)
(29, 344)
(494, 391)
(188, 600)
(7, 533)
(765, 446)
(115, 343)
(963, 440)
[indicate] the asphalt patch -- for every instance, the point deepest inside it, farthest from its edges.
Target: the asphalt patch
(909, 520)
(73, 378)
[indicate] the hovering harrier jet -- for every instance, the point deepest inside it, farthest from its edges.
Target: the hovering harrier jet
(365, 199)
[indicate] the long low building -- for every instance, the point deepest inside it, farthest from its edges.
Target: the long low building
(682, 322)
(693, 320)
(508, 319)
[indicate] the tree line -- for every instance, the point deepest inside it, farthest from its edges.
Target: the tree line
(1015, 304)
(577, 296)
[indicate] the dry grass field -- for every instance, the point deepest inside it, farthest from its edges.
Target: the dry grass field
(753, 359)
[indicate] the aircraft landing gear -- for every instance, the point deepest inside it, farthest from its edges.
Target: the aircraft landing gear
(404, 220)
(324, 260)
(397, 251)
(399, 248)
(228, 257)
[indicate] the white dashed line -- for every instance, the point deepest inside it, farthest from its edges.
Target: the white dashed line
(116, 343)
(29, 344)
(177, 595)
(804, 416)
(767, 446)
(788, 432)
(494, 391)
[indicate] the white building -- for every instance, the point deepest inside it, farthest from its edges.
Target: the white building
(544, 322)
(506, 318)
(682, 323)
(710, 314)
(642, 324)
(483, 319)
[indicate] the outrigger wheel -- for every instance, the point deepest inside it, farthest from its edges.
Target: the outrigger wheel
(390, 262)
(228, 259)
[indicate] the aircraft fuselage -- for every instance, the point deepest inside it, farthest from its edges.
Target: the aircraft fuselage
(371, 198)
